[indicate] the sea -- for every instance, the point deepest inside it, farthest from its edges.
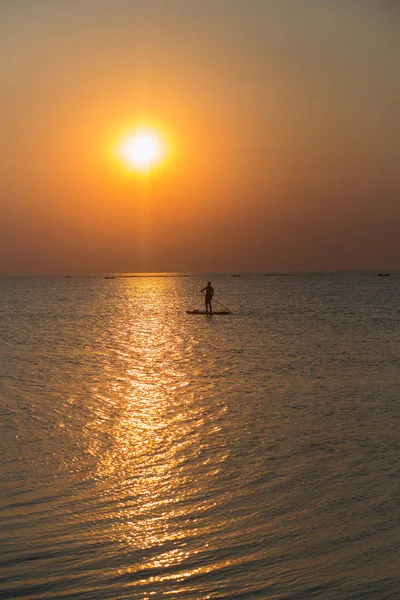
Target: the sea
(150, 454)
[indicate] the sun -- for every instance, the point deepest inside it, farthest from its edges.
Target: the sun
(142, 149)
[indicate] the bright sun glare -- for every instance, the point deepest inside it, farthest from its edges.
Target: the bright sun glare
(142, 149)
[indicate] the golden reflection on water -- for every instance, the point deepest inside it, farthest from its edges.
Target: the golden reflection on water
(145, 432)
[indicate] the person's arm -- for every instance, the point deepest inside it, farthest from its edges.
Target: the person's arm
(203, 289)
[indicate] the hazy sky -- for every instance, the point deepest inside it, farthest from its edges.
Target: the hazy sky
(282, 118)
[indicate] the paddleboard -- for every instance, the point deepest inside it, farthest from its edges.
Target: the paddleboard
(203, 312)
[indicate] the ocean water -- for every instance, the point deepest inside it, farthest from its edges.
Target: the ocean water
(146, 453)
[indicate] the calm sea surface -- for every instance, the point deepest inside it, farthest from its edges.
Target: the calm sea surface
(146, 453)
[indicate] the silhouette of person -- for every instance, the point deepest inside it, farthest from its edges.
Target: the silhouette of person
(209, 290)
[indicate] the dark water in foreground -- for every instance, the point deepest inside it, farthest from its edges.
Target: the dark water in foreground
(150, 454)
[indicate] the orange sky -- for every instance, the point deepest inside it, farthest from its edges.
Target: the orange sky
(282, 119)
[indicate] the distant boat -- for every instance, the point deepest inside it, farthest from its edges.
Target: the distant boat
(109, 277)
(235, 275)
(383, 274)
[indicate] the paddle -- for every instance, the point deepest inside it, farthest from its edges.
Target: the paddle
(214, 300)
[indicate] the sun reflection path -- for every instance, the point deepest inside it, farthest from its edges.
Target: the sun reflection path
(157, 434)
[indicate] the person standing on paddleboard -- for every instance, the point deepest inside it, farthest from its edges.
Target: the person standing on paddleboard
(209, 290)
